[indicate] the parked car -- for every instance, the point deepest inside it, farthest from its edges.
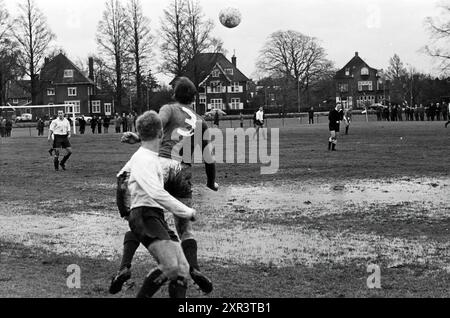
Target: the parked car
(24, 118)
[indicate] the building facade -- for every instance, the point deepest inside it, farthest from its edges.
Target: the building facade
(221, 84)
(63, 83)
(358, 85)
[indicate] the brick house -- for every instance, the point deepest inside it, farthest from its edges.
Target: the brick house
(63, 83)
(221, 84)
(359, 85)
(18, 93)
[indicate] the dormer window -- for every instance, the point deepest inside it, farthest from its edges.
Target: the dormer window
(364, 71)
(229, 71)
(215, 73)
(68, 73)
(347, 72)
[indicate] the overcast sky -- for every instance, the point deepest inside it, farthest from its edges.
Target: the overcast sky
(375, 28)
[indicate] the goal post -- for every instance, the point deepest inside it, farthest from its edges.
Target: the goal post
(31, 107)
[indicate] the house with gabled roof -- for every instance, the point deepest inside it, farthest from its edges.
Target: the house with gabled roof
(359, 85)
(63, 83)
(221, 84)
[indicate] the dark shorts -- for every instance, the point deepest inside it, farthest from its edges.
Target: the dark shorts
(335, 127)
(177, 178)
(259, 124)
(61, 142)
(149, 225)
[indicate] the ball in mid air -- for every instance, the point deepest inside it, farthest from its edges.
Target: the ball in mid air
(230, 17)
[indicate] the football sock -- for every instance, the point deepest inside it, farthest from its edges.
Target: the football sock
(190, 251)
(333, 147)
(329, 145)
(152, 284)
(66, 157)
(56, 163)
(178, 288)
(130, 245)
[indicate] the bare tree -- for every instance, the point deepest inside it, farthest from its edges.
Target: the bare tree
(33, 36)
(398, 75)
(141, 41)
(173, 37)
(296, 57)
(113, 45)
(439, 29)
(5, 23)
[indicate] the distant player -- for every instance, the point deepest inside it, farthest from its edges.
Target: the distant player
(347, 119)
(59, 131)
(178, 121)
(448, 114)
(146, 220)
(335, 118)
(259, 122)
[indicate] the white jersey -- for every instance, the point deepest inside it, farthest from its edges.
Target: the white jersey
(60, 127)
(146, 185)
(260, 116)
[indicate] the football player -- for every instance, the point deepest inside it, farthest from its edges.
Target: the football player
(180, 123)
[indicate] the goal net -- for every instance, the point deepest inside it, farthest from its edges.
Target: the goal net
(47, 112)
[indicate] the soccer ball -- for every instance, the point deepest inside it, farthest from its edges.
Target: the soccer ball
(230, 17)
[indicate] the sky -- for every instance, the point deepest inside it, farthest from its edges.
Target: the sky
(377, 29)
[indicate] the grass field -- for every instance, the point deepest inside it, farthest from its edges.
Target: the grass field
(310, 230)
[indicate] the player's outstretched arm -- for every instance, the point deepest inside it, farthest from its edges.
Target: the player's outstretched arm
(130, 138)
(147, 178)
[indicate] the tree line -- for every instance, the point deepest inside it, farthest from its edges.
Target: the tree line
(125, 63)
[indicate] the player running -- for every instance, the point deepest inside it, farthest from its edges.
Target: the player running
(146, 220)
(335, 117)
(60, 132)
(179, 122)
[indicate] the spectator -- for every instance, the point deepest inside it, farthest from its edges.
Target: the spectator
(241, 119)
(82, 123)
(94, 124)
(40, 127)
(311, 116)
(118, 123)
(124, 123)
(445, 111)
(2, 127)
(216, 119)
(421, 113)
(106, 124)
(99, 125)
(130, 122)
(438, 112)
(8, 127)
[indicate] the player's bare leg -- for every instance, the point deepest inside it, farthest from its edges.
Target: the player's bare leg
(172, 266)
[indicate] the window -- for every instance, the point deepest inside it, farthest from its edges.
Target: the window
(235, 87)
(347, 72)
(68, 73)
(343, 88)
(72, 91)
(215, 73)
(50, 92)
(96, 109)
(365, 86)
(15, 101)
(235, 103)
(203, 99)
(75, 104)
(90, 91)
(108, 109)
(216, 87)
(229, 71)
(216, 103)
(364, 71)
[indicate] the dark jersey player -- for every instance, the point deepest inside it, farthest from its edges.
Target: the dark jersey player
(335, 117)
(180, 123)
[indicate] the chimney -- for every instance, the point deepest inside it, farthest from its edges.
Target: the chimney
(234, 60)
(356, 54)
(46, 60)
(91, 68)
